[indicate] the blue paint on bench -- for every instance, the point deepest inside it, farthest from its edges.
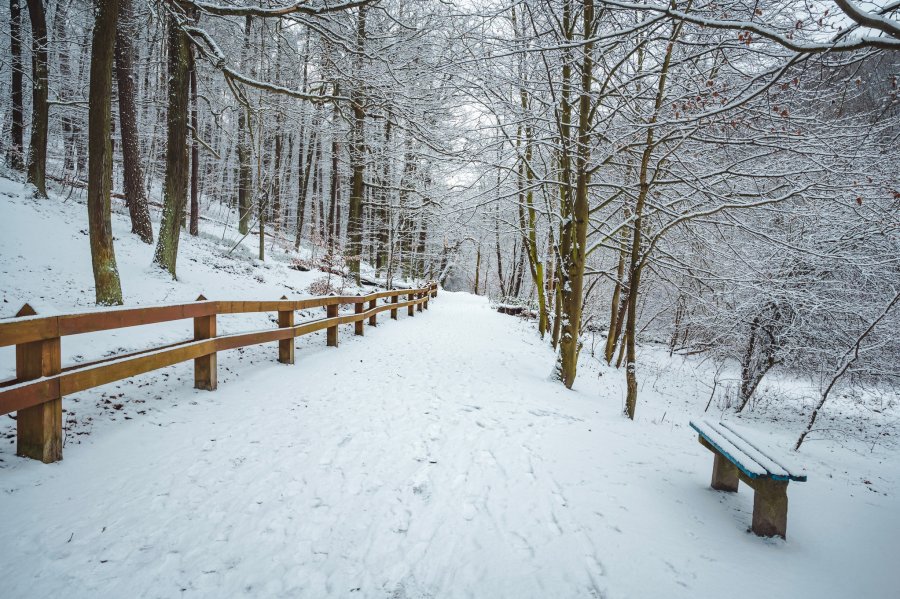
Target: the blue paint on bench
(742, 467)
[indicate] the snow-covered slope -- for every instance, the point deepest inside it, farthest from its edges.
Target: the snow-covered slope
(45, 261)
(432, 458)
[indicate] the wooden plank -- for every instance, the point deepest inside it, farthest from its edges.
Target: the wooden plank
(120, 318)
(286, 346)
(27, 394)
(312, 326)
(773, 469)
(358, 327)
(206, 374)
(796, 473)
(744, 463)
(332, 335)
(39, 427)
(15, 331)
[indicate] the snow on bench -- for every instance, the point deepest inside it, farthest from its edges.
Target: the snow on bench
(744, 453)
(737, 458)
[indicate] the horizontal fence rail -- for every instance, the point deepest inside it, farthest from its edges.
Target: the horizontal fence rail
(41, 381)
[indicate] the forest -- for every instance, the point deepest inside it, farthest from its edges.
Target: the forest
(716, 177)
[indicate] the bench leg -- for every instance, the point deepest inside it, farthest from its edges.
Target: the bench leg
(770, 506)
(724, 474)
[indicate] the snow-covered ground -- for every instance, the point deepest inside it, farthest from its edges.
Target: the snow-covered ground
(432, 458)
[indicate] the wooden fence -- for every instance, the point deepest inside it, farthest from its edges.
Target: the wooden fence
(41, 381)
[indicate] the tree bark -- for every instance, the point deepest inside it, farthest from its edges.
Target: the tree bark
(477, 267)
(40, 108)
(575, 226)
(357, 156)
(245, 172)
(17, 128)
(617, 305)
(383, 219)
(107, 286)
(306, 172)
(334, 221)
(194, 227)
(276, 177)
(66, 83)
(176, 177)
(133, 174)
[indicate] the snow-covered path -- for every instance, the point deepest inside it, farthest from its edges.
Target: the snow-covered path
(431, 459)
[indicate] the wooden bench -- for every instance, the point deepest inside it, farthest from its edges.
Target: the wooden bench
(737, 458)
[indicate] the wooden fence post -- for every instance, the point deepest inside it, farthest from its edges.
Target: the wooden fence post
(39, 428)
(419, 295)
(434, 289)
(427, 297)
(394, 300)
(205, 367)
(332, 332)
(286, 346)
(358, 308)
(372, 319)
(410, 309)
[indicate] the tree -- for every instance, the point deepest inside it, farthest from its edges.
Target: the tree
(574, 208)
(245, 173)
(176, 177)
(107, 287)
(15, 152)
(40, 107)
(194, 227)
(357, 155)
(133, 174)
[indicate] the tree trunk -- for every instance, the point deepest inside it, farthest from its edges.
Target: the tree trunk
(304, 172)
(245, 172)
(637, 260)
(131, 157)
(17, 129)
(334, 222)
(37, 150)
(357, 156)
(383, 220)
(616, 305)
(276, 178)
(103, 256)
(477, 267)
(194, 227)
(313, 149)
(575, 227)
(405, 226)
(66, 83)
(176, 177)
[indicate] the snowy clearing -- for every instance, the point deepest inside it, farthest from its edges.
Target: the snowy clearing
(431, 459)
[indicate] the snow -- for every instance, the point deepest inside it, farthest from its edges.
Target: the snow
(751, 460)
(431, 458)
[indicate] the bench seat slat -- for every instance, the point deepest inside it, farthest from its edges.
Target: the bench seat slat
(794, 472)
(772, 468)
(735, 454)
